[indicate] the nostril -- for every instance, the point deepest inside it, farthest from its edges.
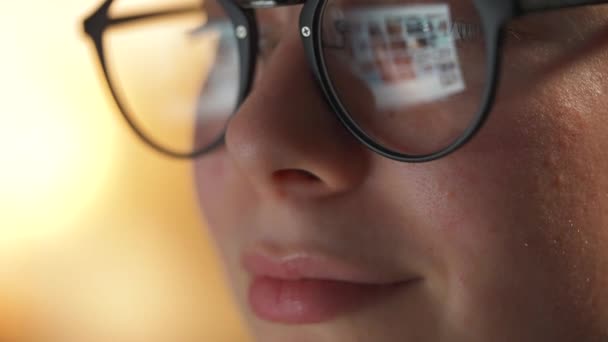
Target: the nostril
(294, 175)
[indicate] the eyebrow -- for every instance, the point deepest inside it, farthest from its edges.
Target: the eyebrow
(524, 5)
(254, 4)
(541, 5)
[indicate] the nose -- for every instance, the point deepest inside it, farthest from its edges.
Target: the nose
(286, 140)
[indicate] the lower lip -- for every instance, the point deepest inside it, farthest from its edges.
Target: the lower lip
(309, 301)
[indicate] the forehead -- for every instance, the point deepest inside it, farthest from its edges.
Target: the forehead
(290, 9)
(583, 15)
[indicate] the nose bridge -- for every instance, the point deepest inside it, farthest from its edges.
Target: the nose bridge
(285, 125)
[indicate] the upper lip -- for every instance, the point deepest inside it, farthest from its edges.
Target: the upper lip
(304, 265)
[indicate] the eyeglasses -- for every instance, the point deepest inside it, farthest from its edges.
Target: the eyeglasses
(411, 80)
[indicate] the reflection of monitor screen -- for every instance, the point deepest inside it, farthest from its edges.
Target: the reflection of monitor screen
(406, 54)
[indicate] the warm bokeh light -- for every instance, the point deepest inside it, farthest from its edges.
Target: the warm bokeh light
(53, 159)
(100, 237)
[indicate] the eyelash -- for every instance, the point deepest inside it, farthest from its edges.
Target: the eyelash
(462, 31)
(472, 33)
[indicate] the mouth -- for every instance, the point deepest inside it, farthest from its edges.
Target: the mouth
(304, 289)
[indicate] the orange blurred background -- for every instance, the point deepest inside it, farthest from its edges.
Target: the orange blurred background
(100, 237)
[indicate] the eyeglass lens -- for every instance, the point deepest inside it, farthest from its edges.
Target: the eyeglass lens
(182, 91)
(411, 74)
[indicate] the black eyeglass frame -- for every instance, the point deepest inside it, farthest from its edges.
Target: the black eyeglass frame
(493, 13)
(101, 21)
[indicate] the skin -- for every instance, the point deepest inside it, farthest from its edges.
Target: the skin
(509, 234)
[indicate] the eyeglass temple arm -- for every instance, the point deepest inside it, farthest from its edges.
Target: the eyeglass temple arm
(541, 5)
(151, 15)
(252, 4)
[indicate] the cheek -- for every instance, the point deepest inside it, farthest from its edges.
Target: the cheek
(213, 174)
(210, 175)
(518, 213)
(540, 159)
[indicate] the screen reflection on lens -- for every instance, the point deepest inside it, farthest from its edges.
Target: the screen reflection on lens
(404, 72)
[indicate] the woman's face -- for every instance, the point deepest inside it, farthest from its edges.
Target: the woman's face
(504, 240)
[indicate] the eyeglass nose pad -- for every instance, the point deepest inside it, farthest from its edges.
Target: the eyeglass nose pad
(310, 18)
(247, 35)
(311, 36)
